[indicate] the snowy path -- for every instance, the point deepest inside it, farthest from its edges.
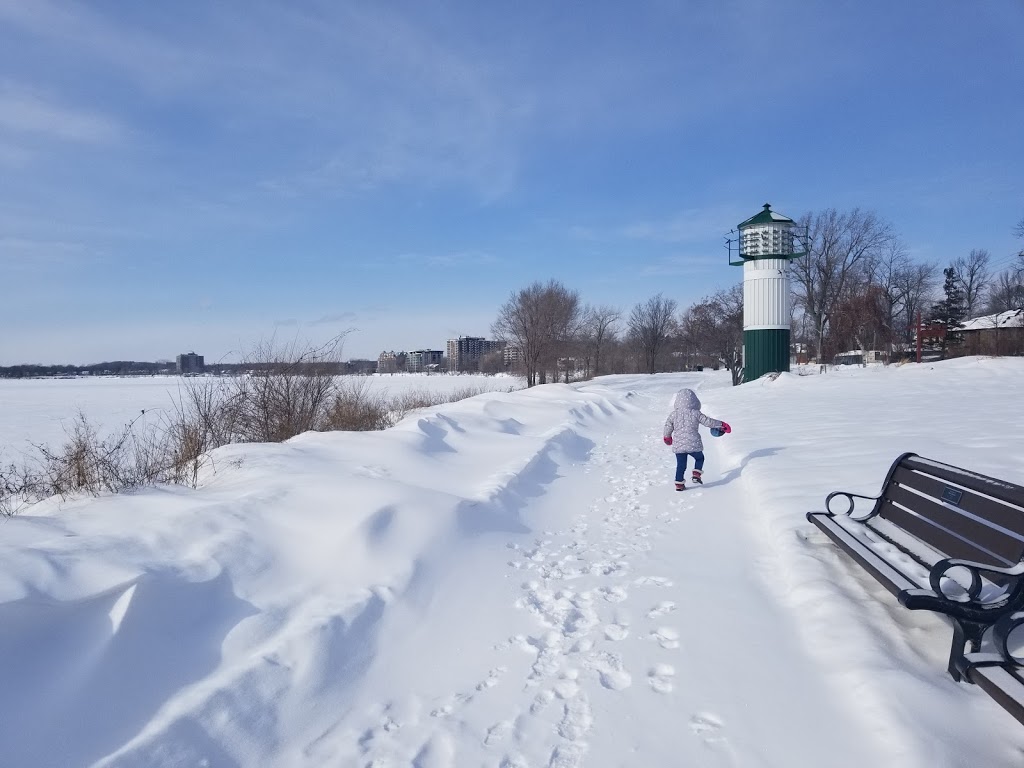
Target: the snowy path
(509, 581)
(613, 608)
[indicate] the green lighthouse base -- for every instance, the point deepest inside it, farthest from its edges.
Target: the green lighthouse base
(765, 351)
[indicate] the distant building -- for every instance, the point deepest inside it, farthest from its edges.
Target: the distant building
(860, 357)
(189, 363)
(464, 353)
(391, 362)
(511, 356)
(999, 334)
(421, 360)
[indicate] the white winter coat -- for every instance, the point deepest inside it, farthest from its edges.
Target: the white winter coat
(683, 421)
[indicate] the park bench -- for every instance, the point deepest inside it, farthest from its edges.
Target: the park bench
(947, 540)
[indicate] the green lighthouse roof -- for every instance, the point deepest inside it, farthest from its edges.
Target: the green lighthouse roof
(767, 216)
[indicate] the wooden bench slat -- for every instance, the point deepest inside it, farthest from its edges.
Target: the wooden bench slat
(1003, 683)
(892, 579)
(982, 507)
(939, 539)
(1000, 489)
(948, 519)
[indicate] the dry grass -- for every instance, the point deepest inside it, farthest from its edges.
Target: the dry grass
(282, 398)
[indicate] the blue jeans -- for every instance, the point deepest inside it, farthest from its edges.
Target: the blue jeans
(698, 463)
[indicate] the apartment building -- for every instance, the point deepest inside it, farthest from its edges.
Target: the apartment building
(422, 360)
(391, 362)
(189, 362)
(464, 353)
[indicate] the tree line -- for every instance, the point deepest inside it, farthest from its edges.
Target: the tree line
(857, 287)
(163, 368)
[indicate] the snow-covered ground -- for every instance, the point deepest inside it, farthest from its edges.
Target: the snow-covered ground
(511, 581)
(40, 411)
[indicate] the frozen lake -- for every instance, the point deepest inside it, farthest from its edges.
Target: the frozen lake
(39, 411)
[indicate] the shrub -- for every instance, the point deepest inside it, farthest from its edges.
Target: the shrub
(286, 391)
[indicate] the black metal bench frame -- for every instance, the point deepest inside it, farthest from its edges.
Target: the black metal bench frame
(947, 540)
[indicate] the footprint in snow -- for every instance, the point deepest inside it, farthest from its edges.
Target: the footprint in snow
(667, 637)
(438, 752)
(577, 719)
(708, 726)
(541, 701)
(568, 755)
(653, 581)
(498, 732)
(616, 632)
(660, 678)
(609, 670)
(665, 606)
(492, 678)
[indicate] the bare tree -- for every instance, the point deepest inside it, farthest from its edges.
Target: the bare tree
(1007, 292)
(916, 283)
(599, 328)
(650, 324)
(974, 276)
(839, 244)
(861, 321)
(888, 273)
(539, 320)
(713, 327)
(492, 362)
(729, 337)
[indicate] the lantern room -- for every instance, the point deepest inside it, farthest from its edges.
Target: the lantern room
(766, 235)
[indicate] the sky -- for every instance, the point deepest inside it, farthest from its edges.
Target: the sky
(509, 580)
(208, 177)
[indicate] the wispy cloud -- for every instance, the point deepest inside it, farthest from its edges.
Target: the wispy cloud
(14, 156)
(450, 260)
(687, 226)
(74, 32)
(27, 115)
(337, 317)
(39, 255)
(691, 264)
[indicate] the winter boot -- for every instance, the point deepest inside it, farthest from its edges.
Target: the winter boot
(680, 486)
(696, 477)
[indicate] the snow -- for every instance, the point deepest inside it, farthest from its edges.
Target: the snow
(511, 581)
(40, 411)
(1012, 319)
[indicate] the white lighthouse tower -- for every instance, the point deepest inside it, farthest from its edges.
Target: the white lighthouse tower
(767, 242)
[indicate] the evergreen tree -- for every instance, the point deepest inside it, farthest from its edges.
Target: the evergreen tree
(951, 310)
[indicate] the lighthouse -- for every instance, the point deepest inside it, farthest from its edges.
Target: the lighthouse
(766, 244)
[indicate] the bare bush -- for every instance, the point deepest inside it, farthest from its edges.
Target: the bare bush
(356, 409)
(18, 487)
(282, 396)
(288, 391)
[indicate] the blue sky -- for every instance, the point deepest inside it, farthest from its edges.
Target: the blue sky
(194, 175)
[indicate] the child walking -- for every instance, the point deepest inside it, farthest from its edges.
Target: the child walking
(682, 434)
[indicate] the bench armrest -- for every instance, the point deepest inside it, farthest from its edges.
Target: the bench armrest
(971, 607)
(851, 504)
(1001, 632)
(940, 569)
